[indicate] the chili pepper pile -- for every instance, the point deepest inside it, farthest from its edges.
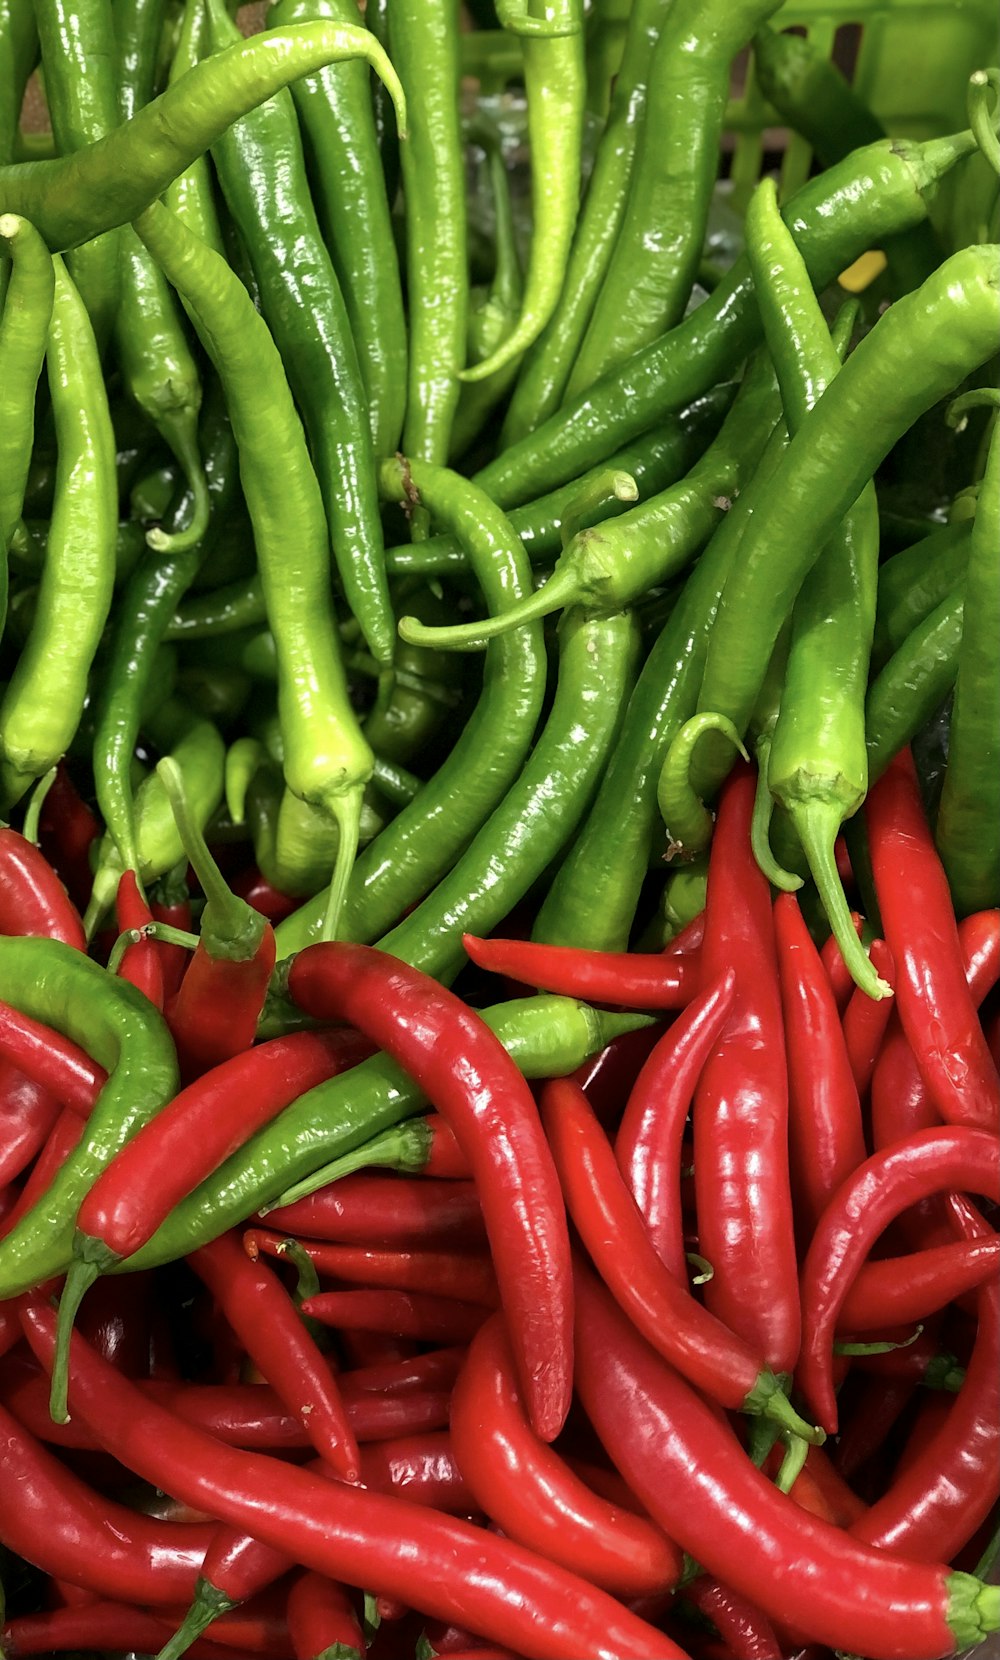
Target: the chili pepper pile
(500, 881)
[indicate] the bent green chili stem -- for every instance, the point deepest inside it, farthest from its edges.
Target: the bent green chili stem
(112, 181)
(24, 326)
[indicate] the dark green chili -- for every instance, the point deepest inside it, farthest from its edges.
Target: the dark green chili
(24, 328)
(18, 57)
(968, 824)
(493, 310)
(914, 582)
(834, 218)
(649, 277)
(914, 683)
(42, 705)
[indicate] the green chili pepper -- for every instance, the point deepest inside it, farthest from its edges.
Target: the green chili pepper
(968, 824)
(395, 783)
(686, 819)
(338, 121)
(555, 83)
(834, 218)
(24, 327)
(43, 703)
(493, 311)
(111, 181)
(547, 366)
(296, 848)
(607, 28)
(191, 195)
(947, 328)
(120, 1028)
(914, 683)
(18, 57)
(548, 1037)
(417, 849)
(983, 82)
(765, 717)
(914, 582)
(684, 897)
(649, 278)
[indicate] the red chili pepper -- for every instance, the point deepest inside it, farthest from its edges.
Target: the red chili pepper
(897, 1290)
(608, 1077)
(416, 1314)
(660, 1306)
(383, 1211)
(63, 1137)
(627, 979)
(141, 964)
(263, 898)
(826, 1138)
(744, 1628)
(649, 1140)
(921, 1361)
(470, 1278)
(837, 972)
(934, 1409)
(469, 1077)
(875, 1411)
(821, 1489)
(441, 1565)
(437, 1369)
(171, 904)
(948, 1491)
(691, 1473)
(933, 1161)
(865, 1020)
(741, 1103)
(33, 901)
(214, 1014)
(27, 1115)
(50, 1060)
(54, 1521)
(533, 1494)
(101, 1626)
(935, 1006)
(321, 1615)
(267, 1322)
(67, 828)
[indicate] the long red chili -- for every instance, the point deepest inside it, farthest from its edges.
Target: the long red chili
(533, 1494)
(67, 829)
(50, 1060)
(604, 1214)
(897, 1290)
(321, 1615)
(935, 1006)
(627, 979)
(741, 1103)
(469, 1278)
(443, 1566)
(383, 1210)
(932, 1161)
(104, 1626)
(437, 1369)
(826, 1139)
(27, 1115)
(837, 972)
(174, 908)
(865, 1020)
(743, 1628)
(141, 963)
(472, 1081)
(875, 1410)
(690, 1472)
(608, 1077)
(418, 1314)
(266, 1320)
(33, 901)
(648, 1143)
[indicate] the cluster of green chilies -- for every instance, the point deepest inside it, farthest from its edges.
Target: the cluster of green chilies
(380, 576)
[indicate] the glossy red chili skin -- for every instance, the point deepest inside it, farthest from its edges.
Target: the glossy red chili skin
(174, 958)
(533, 1495)
(745, 1630)
(384, 1210)
(266, 900)
(936, 1008)
(895, 1291)
(417, 1314)
(445, 1159)
(50, 1060)
(612, 1230)
(67, 829)
(472, 1081)
(468, 1278)
(266, 1320)
(437, 1369)
(627, 979)
(936, 1506)
(141, 965)
(608, 1077)
(449, 1569)
(103, 1626)
(215, 1012)
(27, 1116)
(63, 1137)
(651, 1133)
(826, 1138)
(33, 901)
(741, 1103)
(690, 1472)
(932, 1161)
(321, 1614)
(865, 1020)
(837, 971)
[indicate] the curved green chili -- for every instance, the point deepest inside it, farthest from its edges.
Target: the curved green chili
(649, 277)
(555, 83)
(24, 327)
(417, 849)
(914, 582)
(191, 195)
(968, 824)
(765, 716)
(686, 819)
(423, 36)
(44, 700)
(913, 684)
(493, 310)
(122, 1030)
(981, 119)
(834, 218)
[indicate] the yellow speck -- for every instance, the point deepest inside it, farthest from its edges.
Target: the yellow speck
(864, 271)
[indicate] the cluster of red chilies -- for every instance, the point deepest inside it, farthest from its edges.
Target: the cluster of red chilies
(695, 1351)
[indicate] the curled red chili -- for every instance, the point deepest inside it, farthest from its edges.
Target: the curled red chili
(630, 980)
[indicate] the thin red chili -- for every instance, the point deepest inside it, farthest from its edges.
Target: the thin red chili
(608, 1077)
(321, 1615)
(50, 1060)
(875, 1411)
(826, 1138)
(689, 1470)
(67, 829)
(533, 1495)
(865, 1020)
(741, 1103)
(745, 1630)
(104, 1626)
(378, 1210)
(63, 1137)
(437, 1369)
(27, 1115)
(33, 901)
(174, 958)
(921, 1361)
(837, 972)
(266, 1320)
(936, 1009)
(469, 1278)
(650, 1136)
(141, 964)
(263, 898)
(472, 1081)
(628, 979)
(932, 1161)
(897, 1290)
(604, 1214)
(417, 1314)
(441, 1565)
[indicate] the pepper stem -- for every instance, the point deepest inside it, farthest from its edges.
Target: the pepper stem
(796, 1452)
(588, 504)
(80, 1277)
(405, 1147)
(973, 1609)
(760, 827)
(818, 824)
(346, 810)
(209, 1602)
(230, 928)
(561, 590)
(36, 802)
(768, 1399)
(687, 820)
